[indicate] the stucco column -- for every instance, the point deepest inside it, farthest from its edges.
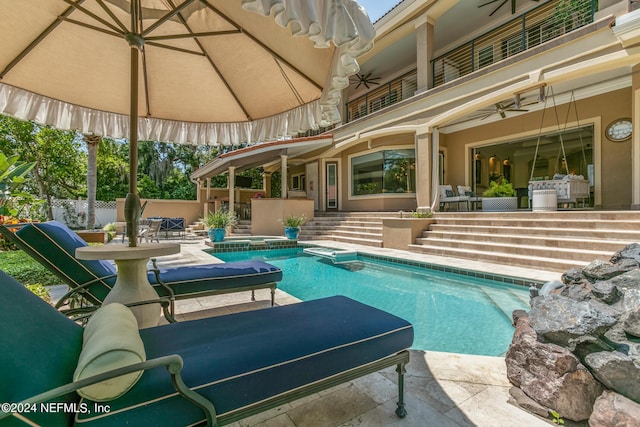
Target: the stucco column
(283, 175)
(635, 139)
(266, 184)
(232, 188)
(423, 169)
(424, 52)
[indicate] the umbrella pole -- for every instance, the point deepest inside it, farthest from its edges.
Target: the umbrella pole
(132, 202)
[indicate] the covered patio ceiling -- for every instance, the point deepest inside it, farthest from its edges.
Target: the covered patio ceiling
(261, 154)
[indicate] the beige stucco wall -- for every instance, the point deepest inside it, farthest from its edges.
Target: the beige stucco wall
(389, 202)
(190, 210)
(615, 158)
(267, 214)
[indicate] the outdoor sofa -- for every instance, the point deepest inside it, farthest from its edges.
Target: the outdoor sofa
(220, 369)
(53, 244)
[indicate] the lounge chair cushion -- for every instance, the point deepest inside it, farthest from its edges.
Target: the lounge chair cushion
(238, 359)
(229, 275)
(32, 359)
(55, 244)
(110, 341)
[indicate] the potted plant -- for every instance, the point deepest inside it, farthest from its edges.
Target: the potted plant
(499, 197)
(292, 225)
(218, 222)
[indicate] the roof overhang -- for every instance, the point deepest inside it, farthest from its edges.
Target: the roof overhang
(261, 154)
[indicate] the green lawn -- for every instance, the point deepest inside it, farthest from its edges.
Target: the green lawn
(25, 270)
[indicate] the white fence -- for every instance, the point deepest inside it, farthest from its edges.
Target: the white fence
(74, 212)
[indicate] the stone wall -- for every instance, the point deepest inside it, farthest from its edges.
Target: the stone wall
(577, 351)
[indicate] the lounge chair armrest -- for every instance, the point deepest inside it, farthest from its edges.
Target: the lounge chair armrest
(174, 365)
(80, 289)
(81, 313)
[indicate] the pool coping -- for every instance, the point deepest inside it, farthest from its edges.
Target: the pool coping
(294, 244)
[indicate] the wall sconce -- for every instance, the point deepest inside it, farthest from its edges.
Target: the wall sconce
(506, 162)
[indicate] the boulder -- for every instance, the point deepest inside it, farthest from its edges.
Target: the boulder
(627, 281)
(613, 410)
(578, 291)
(606, 291)
(550, 374)
(619, 341)
(629, 252)
(562, 320)
(632, 324)
(603, 270)
(572, 276)
(617, 371)
(518, 314)
(527, 403)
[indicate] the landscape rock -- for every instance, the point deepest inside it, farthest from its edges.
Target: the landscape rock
(518, 314)
(550, 374)
(562, 320)
(629, 252)
(632, 324)
(614, 410)
(527, 403)
(603, 270)
(627, 281)
(619, 341)
(630, 300)
(606, 291)
(578, 291)
(617, 371)
(572, 276)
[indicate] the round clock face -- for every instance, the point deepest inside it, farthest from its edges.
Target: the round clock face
(620, 130)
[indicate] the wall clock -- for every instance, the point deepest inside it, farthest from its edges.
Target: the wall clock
(619, 130)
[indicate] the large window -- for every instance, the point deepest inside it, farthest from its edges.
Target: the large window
(389, 171)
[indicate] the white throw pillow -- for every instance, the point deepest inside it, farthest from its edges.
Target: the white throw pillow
(111, 340)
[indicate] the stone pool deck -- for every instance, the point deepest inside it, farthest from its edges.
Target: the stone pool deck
(441, 389)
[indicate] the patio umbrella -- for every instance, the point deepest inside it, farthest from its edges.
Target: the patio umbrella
(182, 71)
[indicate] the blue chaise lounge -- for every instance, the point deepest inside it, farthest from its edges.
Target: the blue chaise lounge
(221, 369)
(53, 244)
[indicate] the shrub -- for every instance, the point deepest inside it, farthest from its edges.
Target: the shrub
(501, 188)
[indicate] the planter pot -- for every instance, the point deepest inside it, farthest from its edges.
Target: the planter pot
(399, 233)
(291, 232)
(217, 234)
(499, 204)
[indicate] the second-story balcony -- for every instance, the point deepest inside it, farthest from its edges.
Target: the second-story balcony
(541, 24)
(387, 94)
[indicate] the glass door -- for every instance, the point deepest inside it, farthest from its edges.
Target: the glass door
(332, 185)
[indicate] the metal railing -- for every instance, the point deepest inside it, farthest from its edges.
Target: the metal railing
(545, 22)
(387, 94)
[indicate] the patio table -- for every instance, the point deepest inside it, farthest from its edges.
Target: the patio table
(132, 284)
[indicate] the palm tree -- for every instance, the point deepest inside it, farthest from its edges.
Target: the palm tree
(92, 142)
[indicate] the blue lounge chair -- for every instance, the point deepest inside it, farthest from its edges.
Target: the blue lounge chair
(53, 244)
(221, 369)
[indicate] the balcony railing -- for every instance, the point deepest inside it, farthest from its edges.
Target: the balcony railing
(545, 22)
(387, 94)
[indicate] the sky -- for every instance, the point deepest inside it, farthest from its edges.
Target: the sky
(377, 8)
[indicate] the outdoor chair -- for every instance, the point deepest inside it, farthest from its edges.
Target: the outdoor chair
(448, 196)
(53, 244)
(474, 199)
(149, 231)
(218, 369)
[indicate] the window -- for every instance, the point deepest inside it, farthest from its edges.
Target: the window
(298, 182)
(388, 171)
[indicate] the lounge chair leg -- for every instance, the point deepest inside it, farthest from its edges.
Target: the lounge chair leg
(273, 296)
(253, 295)
(400, 410)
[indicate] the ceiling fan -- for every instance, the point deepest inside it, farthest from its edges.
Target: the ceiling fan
(503, 2)
(364, 79)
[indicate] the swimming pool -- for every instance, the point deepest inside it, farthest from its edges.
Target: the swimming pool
(450, 312)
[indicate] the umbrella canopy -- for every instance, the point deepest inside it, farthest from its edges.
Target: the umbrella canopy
(184, 71)
(210, 71)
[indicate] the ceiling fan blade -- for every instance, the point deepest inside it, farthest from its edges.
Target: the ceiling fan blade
(496, 9)
(513, 7)
(518, 110)
(484, 117)
(489, 2)
(503, 115)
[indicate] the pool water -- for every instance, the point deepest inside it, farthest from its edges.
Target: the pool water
(450, 312)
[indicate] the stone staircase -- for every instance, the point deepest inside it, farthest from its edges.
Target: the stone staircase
(552, 241)
(363, 228)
